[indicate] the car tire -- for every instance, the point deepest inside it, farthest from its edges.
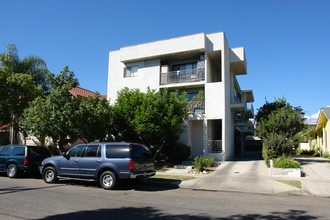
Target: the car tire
(108, 180)
(12, 171)
(49, 175)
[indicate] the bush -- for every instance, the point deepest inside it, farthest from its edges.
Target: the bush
(285, 162)
(176, 153)
(307, 152)
(201, 162)
(274, 146)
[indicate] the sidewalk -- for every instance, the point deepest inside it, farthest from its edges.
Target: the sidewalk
(252, 176)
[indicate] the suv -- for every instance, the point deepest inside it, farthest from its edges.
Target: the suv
(103, 162)
(15, 159)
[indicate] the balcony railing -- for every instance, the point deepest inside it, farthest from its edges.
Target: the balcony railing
(214, 146)
(196, 107)
(182, 76)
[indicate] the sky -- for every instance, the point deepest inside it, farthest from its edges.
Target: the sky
(287, 43)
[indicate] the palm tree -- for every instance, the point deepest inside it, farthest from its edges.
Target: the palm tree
(32, 65)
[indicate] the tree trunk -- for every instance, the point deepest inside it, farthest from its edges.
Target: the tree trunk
(161, 147)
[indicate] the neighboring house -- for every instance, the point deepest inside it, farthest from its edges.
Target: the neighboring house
(319, 137)
(216, 127)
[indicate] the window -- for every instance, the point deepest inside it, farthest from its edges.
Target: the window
(93, 151)
(186, 66)
(117, 151)
(76, 151)
(130, 71)
(18, 151)
(4, 151)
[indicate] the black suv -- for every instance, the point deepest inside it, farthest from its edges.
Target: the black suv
(103, 162)
(15, 159)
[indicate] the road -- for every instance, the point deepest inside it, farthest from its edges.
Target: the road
(31, 198)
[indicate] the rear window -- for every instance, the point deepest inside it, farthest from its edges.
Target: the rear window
(117, 151)
(141, 152)
(93, 151)
(18, 151)
(39, 152)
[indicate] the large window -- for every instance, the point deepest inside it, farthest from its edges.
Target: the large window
(130, 71)
(117, 151)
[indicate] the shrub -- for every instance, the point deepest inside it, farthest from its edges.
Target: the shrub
(276, 145)
(285, 162)
(201, 162)
(307, 152)
(176, 153)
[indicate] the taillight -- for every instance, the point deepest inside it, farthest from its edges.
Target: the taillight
(131, 165)
(25, 161)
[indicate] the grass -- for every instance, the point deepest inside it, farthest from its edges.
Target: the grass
(169, 178)
(294, 183)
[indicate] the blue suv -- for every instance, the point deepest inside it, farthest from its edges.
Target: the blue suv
(16, 159)
(103, 162)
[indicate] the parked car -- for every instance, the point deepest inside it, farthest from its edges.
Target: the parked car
(15, 159)
(102, 162)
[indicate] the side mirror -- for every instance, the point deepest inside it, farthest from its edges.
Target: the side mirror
(66, 155)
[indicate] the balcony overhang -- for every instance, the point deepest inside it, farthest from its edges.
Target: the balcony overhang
(238, 61)
(249, 95)
(181, 45)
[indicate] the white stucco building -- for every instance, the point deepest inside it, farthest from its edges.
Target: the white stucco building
(200, 62)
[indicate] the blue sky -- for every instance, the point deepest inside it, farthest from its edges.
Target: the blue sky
(287, 43)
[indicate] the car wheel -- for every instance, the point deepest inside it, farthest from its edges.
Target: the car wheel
(12, 171)
(108, 180)
(49, 175)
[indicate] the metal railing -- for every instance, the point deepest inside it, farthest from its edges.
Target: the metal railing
(182, 76)
(196, 107)
(214, 146)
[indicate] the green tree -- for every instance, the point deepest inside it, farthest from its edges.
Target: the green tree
(31, 65)
(94, 118)
(150, 118)
(54, 116)
(280, 103)
(280, 132)
(17, 90)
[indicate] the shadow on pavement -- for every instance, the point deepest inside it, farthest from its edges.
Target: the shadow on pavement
(248, 156)
(122, 185)
(152, 213)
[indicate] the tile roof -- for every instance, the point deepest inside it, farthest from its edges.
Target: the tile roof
(80, 92)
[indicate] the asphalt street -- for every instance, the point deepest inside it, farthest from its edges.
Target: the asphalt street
(31, 198)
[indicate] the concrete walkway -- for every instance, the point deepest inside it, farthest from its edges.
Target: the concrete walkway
(250, 174)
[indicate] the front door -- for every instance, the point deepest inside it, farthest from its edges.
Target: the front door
(69, 166)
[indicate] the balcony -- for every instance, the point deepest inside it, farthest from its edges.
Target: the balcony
(182, 76)
(196, 107)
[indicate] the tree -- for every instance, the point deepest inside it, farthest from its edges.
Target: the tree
(31, 65)
(94, 118)
(150, 118)
(17, 90)
(280, 132)
(54, 115)
(269, 107)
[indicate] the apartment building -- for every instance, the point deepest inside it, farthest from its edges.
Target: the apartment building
(206, 68)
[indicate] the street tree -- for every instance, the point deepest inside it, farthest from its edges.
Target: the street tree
(151, 118)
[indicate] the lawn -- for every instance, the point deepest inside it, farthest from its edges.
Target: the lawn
(294, 183)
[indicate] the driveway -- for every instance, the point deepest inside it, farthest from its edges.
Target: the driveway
(244, 174)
